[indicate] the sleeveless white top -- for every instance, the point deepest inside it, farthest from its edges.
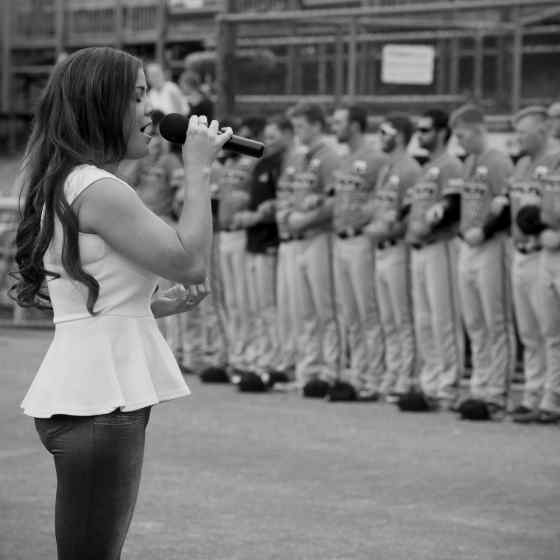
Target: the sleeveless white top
(114, 359)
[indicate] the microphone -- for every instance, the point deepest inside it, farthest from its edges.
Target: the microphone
(173, 127)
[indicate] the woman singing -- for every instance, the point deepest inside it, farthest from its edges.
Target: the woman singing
(88, 238)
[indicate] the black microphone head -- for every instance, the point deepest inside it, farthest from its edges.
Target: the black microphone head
(173, 127)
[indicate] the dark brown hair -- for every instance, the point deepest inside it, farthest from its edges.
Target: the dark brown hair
(312, 112)
(80, 119)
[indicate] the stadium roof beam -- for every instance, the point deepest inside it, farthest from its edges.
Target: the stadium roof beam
(344, 13)
(432, 24)
(540, 16)
(361, 37)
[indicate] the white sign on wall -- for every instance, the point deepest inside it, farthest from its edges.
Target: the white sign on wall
(407, 64)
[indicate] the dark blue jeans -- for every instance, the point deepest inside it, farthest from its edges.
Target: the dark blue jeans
(98, 461)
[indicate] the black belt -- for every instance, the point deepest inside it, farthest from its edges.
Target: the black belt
(387, 243)
(417, 246)
(349, 233)
(525, 250)
(287, 238)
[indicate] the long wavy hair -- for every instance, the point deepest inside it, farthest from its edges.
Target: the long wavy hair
(83, 117)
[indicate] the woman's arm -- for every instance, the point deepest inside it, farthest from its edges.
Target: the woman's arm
(180, 254)
(178, 299)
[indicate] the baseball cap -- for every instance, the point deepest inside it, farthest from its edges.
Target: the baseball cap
(531, 110)
(467, 114)
(554, 109)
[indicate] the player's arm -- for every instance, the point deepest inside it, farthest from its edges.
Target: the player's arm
(499, 181)
(265, 211)
(447, 212)
(529, 220)
(495, 224)
(323, 212)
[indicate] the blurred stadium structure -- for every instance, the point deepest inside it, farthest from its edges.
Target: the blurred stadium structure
(266, 54)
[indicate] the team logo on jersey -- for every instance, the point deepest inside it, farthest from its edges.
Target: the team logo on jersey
(541, 171)
(481, 172)
(424, 191)
(394, 180)
(314, 164)
(475, 189)
(263, 177)
(454, 186)
(290, 171)
(433, 173)
(360, 167)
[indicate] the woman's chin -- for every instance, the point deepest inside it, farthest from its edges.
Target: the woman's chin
(137, 152)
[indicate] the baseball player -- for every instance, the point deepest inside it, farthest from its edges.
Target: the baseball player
(554, 127)
(525, 188)
(286, 270)
(354, 184)
(234, 197)
(310, 223)
(432, 227)
(262, 248)
(542, 220)
(387, 229)
(484, 267)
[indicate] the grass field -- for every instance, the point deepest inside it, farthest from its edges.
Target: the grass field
(274, 477)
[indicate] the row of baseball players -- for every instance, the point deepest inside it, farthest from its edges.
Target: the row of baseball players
(363, 267)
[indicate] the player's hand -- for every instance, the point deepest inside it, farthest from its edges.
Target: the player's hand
(312, 201)
(390, 217)
(474, 236)
(245, 219)
(266, 208)
(417, 230)
(550, 239)
(434, 214)
(297, 221)
(203, 142)
(179, 299)
(377, 230)
(498, 204)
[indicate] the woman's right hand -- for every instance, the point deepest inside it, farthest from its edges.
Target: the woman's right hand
(203, 142)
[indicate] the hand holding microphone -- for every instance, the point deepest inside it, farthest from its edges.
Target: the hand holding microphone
(176, 128)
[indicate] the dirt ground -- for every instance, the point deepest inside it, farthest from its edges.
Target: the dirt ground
(275, 477)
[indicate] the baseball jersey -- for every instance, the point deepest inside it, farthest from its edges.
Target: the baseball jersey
(486, 176)
(440, 177)
(526, 187)
(354, 185)
(178, 181)
(157, 187)
(315, 178)
(396, 178)
(234, 189)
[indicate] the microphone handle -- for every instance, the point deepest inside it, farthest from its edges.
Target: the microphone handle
(245, 146)
(238, 144)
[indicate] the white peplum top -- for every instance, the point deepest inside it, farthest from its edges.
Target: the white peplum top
(117, 358)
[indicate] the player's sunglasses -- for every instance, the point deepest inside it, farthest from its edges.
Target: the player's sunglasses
(424, 129)
(387, 130)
